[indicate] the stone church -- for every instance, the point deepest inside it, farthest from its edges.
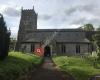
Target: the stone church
(54, 41)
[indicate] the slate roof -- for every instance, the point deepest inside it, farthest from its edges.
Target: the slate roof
(59, 30)
(62, 35)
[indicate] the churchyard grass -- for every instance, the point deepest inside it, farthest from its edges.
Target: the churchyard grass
(80, 68)
(18, 64)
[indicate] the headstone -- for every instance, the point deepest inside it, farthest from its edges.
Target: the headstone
(97, 77)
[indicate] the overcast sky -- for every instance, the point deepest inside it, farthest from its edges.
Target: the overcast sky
(52, 13)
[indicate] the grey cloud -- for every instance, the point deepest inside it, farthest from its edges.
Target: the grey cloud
(70, 11)
(45, 17)
(83, 21)
(79, 21)
(12, 12)
(82, 12)
(86, 8)
(95, 21)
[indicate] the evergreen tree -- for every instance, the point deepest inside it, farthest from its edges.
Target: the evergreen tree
(4, 39)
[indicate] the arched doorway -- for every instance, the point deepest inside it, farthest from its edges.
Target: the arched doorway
(47, 51)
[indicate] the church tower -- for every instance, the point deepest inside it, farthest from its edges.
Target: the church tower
(28, 23)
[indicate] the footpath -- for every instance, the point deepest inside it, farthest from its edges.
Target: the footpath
(48, 71)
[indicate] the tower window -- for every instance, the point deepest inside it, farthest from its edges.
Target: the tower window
(26, 22)
(77, 48)
(63, 48)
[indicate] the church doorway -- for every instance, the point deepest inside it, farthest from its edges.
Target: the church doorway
(47, 51)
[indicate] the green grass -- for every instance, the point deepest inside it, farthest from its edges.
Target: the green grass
(79, 68)
(17, 64)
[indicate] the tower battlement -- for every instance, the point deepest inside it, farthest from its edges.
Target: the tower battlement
(27, 10)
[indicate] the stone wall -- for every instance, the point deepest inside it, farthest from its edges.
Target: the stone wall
(71, 48)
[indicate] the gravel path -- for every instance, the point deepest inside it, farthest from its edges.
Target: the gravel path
(48, 71)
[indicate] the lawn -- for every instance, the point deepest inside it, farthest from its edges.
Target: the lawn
(79, 68)
(18, 64)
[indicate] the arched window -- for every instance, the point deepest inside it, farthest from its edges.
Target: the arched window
(32, 47)
(63, 48)
(77, 48)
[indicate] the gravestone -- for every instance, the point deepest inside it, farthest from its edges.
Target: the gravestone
(97, 77)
